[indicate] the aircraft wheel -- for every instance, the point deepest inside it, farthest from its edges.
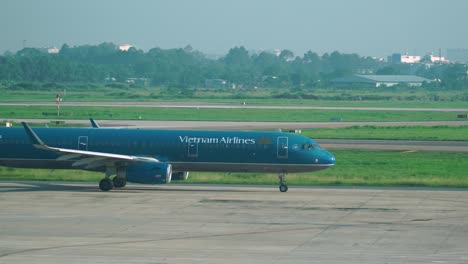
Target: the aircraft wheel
(283, 188)
(119, 182)
(105, 185)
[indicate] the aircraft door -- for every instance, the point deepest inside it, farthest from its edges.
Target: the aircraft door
(83, 143)
(193, 150)
(282, 147)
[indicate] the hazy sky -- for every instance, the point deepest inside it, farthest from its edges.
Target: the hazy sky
(367, 27)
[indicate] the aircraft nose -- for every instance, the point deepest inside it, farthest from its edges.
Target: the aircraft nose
(325, 158)
(329, 158)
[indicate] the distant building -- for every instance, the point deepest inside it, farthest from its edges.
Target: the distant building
(53, 50)
(125, 47)
(380, 80)
(410, 59)
(438, 59)
(138, 81)
(394, 58)
(458, 55)
(398, 58)
(277, 52)
(49, 50)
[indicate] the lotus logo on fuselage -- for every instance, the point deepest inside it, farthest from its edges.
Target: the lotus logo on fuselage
(217, 140)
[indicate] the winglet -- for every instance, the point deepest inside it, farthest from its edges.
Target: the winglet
(93, 123)
(37, 142)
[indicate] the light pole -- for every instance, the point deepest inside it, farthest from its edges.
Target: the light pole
(58, 99)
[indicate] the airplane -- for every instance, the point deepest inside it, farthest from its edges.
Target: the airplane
(151, 156)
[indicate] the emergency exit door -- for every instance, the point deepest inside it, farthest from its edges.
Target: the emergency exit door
(193, 150)
(282, 144)
(83, 143)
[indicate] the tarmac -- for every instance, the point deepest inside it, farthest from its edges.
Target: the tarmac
(62, 222)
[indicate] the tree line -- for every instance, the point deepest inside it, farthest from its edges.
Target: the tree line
(186, 67)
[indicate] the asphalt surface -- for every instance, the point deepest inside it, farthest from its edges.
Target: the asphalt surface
(50, 222)
(232, 106)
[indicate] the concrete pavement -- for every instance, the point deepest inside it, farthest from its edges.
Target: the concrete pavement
(54, 222)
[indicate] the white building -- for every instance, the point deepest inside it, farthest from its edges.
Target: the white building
(53, 50)
(438, 59)
(125, 47)
(410, 59)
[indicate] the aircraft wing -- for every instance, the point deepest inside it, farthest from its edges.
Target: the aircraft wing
(86, 159)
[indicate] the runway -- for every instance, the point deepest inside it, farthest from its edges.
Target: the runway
(42, 222)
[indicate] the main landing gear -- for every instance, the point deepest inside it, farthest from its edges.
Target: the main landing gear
(119, 180)
(106, 185)
(283, 187)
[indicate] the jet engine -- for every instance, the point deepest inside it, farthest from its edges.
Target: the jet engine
(159, 173)
(180, 175)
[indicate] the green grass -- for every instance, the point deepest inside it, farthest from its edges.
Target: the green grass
(207, 114)
(370, 168)
(459, 133)
(365, 168)
(353, 103)
(48, 175)
(363, 97)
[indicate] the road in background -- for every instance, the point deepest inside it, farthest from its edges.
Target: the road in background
(231, 125)
(230, 106)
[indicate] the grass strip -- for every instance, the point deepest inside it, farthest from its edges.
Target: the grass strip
(370, 97)
(453, 133)
(208, 114)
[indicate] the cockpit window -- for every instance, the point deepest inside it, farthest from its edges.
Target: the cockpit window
(309, 146)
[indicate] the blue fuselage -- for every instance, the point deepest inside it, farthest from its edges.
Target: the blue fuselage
(186, 150)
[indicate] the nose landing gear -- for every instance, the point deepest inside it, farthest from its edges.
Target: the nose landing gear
(283, 187)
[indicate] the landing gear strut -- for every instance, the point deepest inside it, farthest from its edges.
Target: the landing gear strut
(283, 187)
